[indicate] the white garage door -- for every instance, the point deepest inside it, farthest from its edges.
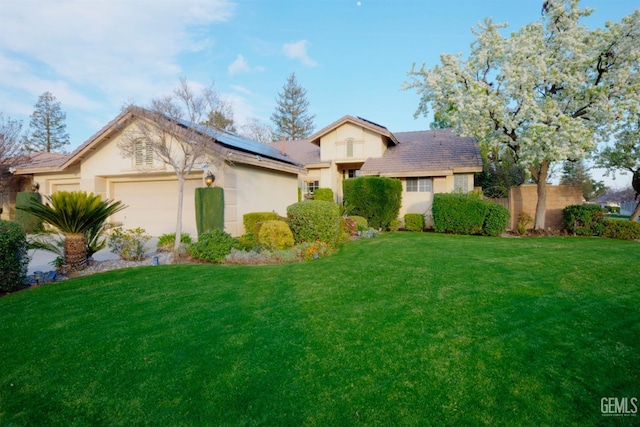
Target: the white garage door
(153, 205)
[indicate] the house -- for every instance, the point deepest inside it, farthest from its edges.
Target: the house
(254, 176)
(427, 162)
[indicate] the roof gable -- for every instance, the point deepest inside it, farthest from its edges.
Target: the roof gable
(358, 121)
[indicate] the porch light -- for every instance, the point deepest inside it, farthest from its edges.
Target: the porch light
(35, 187)
(209, 179)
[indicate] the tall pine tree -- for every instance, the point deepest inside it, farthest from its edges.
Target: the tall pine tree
(47, 126)
(291, 118)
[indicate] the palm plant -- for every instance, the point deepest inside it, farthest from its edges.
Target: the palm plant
(75, 214)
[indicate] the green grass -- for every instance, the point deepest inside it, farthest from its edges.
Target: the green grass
(403, 329)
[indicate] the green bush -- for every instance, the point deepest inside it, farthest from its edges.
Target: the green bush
(348, 228)
(213, 246)
(275, 234)
(14, 260)
(361, 222)
(252, 221)
(325, 194)
(167, 241)
(583, 220)
(209, 204)
(414, 222)
(497, 219)
(376, 198)
(313, 220)
(458, 213)
(129, 244)
(620, 229)
(29, 222)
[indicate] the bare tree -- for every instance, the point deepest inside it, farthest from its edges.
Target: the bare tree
(258, 131)
(11, 148)
(170, 130)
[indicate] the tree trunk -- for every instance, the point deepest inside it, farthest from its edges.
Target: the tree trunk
(540, 177)
(178, 240)
(75, 252)
(636, 213)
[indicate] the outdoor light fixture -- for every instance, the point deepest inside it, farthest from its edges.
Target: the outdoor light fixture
(35, 187)
(209, 179)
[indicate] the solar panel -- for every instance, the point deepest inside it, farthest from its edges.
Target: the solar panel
(373, 123)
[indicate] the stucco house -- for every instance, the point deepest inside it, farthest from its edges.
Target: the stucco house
(427, 162)
(254, 176)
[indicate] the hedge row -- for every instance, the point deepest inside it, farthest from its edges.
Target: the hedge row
(14, 259)
(589, 220)
(468, 214)
(376, 198)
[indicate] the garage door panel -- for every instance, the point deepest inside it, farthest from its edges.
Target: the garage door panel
(153, 205)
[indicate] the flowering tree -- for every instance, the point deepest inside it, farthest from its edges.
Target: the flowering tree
(548, 92)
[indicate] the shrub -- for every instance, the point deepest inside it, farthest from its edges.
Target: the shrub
(583, 220)
(213, 246)
(14, 260)
(325, 194)
(313, 220)
(497, 219)
(620, 229)
(458, 213)
(129, 244)
(275, 234)
(348, 228)
(252, 221)
(524, 220)
(361, 222)
(167, 241)
(314, 250)
(414, 222)
(376, 198)
(29, 222)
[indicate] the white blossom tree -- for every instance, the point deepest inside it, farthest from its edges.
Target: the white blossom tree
(549, 92)
(169, 129)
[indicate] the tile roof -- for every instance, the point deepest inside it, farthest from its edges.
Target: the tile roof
(302, 150)
(42, 159)
(429, 150)
(315, 138)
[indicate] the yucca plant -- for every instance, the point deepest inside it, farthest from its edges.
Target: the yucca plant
(74, 214)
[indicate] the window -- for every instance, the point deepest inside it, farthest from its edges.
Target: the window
(422, 185)
(350, 148)
(354, 173)
(310, 186)
(461, 183)
(143, 155)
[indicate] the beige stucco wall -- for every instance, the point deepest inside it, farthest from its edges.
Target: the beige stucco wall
(524, 198)
(365, 143)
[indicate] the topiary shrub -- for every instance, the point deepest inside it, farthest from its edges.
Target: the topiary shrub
(313, 220)
(167, 241)
(497, 219)
(29, 222)
(129, 245)
(620, 229)
(458, 213)
(14, 260)
(275, 234)
(583, 220)
(414, 222)
(325, 194)
(213, 246)
(361, 222)
(374, 197)
(252, 221)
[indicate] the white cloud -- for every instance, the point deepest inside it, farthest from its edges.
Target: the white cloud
(298, 51)
(240, 65)
(114, 49)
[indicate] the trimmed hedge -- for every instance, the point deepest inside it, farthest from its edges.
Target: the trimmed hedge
(374, 197)
(252, 221)
(497, 219)
(414, 222)
(325, 194)
(213, 246)
(14, 260)
(29, 222)
(275, 234)
(583, 220)
(209, 209)
(458, 213)
(620, 229)
(313, 220)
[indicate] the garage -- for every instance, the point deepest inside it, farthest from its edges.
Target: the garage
(152, 205)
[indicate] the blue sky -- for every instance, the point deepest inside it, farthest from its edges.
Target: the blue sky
(352, 56)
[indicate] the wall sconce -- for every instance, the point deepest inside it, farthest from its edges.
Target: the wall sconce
(209, 179)
(35, 187)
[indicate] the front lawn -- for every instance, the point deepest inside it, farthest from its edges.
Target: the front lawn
(403, 329)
